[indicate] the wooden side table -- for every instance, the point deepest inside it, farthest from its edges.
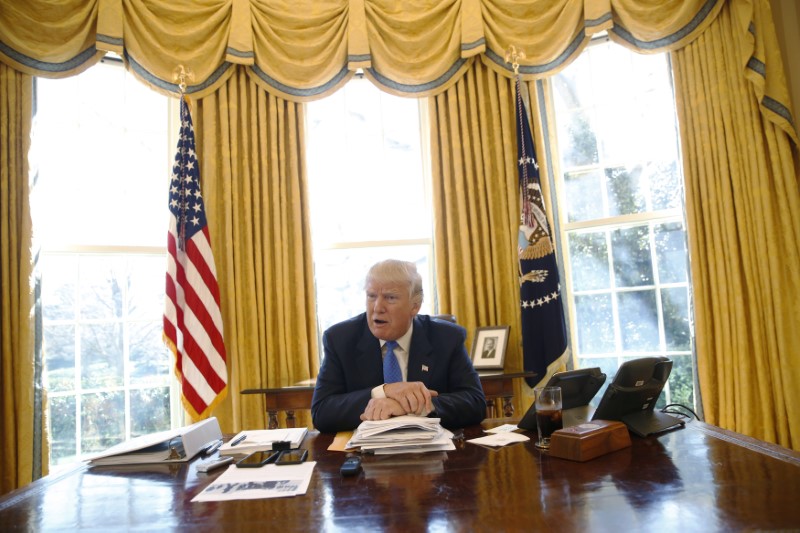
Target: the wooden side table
(498, 385)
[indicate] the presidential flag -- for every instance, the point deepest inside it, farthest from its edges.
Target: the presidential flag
(192, 318)
(544, 333)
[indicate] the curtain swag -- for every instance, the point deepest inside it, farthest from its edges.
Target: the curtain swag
(302, 50)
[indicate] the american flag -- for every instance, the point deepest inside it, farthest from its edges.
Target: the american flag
(544, 332)
(192, 318)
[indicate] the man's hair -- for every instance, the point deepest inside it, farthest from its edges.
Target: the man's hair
(396, 271)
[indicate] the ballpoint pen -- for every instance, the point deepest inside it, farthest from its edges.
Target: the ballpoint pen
(238, 439)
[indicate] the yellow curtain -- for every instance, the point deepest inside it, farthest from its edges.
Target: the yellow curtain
(306, 49)
(252, 165)
(475, 205)
(743, 211)
(17, 464)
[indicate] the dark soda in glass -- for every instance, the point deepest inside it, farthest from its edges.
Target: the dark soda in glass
(548, 422)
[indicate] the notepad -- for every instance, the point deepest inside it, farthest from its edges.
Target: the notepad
(260, 440)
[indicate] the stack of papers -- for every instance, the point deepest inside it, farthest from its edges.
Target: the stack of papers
(260, 440)
(402, 434)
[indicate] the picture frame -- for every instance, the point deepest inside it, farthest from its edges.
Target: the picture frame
(489, 347)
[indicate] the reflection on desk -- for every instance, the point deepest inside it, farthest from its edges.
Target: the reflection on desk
(699, 478)
(498, 385)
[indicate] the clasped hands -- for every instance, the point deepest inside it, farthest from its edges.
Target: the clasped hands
(403, 398)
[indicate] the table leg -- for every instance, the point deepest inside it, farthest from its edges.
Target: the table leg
(273, 419)
(289, 419)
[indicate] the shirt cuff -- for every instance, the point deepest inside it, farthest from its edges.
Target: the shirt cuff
(378, 392)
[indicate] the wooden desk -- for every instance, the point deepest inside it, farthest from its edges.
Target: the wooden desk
(699, 478)
(497, 385)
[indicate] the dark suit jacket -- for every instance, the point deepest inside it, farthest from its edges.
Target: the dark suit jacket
(353, 366)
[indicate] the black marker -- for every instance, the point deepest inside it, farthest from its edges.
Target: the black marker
(237, 440)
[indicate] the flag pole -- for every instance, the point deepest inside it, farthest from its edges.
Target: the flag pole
(544, 336)
(192, 312)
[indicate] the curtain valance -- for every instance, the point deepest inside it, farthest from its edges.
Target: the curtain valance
(305, 49)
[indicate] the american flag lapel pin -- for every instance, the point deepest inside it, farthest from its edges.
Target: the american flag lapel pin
(424, 368)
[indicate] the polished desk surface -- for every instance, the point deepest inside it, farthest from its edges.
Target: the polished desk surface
(699, 478)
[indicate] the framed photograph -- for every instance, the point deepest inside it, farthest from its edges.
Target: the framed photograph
(489, 347)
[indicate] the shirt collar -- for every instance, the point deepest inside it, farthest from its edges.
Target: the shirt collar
(405, 341)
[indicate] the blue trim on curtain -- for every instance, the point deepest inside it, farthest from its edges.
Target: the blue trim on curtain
(110, 40)
(359, 57)
(698, 19)
(173, 87)
(238, 53)
(591, 23)
(413, 89)
(551, 180)
(474, 44)
(44, 66)
(777, 108)
(547, 67)
(313, 91)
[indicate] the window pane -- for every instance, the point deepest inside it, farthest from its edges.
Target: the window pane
(364, 150)
(584, 195)
(595, 323)
(665, 184)
(102, 421)
(102, 280)
(677, 329)
(59, 288)
(149, 410)
(626, 191)
(83, 126)
(589, 254)
(63, 446)
(638, 321)
(101, 351)
(671, 252)
(59, 353)
(631, 253)
(145, 280)
(150, 360)
(681, 384)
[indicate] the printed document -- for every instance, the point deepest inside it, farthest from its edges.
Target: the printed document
(269, 481)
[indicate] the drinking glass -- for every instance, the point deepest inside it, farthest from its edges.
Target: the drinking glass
(548, 414)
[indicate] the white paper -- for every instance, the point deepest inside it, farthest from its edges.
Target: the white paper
(500, 439)
(261, 440)
(502, 429)
(269, 481)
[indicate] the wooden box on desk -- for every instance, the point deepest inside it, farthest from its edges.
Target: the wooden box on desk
(589, 440)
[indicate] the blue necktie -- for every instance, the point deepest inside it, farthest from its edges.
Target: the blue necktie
(391, 368)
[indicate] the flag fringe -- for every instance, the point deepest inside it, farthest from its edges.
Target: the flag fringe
(536, 251)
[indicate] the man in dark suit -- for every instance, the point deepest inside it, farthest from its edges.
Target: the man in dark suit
(437, 380)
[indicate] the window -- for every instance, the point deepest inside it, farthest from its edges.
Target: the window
(621, 213)
(369, 194)
(103, 156)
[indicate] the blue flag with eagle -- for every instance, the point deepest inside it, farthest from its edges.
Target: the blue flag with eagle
(544, 333)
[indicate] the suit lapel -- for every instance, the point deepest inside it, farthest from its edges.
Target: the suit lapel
(420, 356)
(368, 357)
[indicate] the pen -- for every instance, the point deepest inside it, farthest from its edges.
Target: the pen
(238, 439)
(213, 447)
